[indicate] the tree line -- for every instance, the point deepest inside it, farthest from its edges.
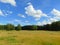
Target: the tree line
(55, 26)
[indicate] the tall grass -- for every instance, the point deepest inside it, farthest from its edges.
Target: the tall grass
(29, 38)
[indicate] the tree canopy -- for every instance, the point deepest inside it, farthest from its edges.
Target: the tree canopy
(55, 26)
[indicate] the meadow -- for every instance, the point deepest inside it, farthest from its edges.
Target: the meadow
(29, 37)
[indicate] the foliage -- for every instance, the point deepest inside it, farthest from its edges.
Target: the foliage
(34, 27)
(18, 27)
(10, 27)
(55, 26)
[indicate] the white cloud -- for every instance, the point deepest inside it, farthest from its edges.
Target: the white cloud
(12, 2)
(1, 13)
(49, 20)
(21, 15)
(5, 13)
(53, 19)
(44, 22)
(55, 12)
(38, 23)
(10, 12)
(16, 20)
(30, 10)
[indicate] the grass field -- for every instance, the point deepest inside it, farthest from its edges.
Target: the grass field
(29, 38)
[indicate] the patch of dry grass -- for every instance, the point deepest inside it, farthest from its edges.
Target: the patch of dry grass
(29, 38)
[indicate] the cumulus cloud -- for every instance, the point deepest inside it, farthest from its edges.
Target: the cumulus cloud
(5, 13)
(55, 12)
(48, 21)
(56, 17)
(53, 19)
(12, 2)
(44, 22)
(30, 10)
(21, 15)
(1, 13)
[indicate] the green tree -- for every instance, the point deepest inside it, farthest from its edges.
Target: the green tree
(34, 27)
(55, 26)
(10, 27)
(18, 27)
(2, 27)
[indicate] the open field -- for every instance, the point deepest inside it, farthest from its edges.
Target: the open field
(29, 38)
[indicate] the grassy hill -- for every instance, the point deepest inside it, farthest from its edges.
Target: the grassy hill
(29, 38)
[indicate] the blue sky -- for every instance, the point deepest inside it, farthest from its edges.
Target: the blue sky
(29, 12)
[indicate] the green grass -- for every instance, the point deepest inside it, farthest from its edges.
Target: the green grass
(29, 37)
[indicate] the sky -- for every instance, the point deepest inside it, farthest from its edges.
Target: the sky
(29, 12)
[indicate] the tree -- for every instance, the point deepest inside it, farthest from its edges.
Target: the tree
(55, 26)
(34, 27)
(10, 27)
(27, 27)
(18, 27)
(47, 27)
(1, 27)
